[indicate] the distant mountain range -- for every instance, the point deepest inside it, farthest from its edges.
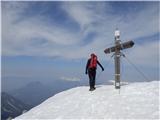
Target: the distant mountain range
(11, 107)
(35, 93)
(16, 101)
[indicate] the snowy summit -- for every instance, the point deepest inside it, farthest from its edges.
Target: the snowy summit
(135, 101)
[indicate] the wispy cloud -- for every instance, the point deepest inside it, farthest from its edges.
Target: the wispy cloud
(70, 78)
(38, 36)
(32, 36)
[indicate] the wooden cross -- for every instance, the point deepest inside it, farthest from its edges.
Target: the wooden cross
(117, 54)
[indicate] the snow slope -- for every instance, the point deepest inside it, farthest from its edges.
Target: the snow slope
(135, 101)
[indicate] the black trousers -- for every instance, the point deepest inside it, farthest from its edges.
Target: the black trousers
(92, 77)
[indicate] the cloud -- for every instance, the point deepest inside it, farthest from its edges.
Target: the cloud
(133, 25)
(39, 35)
(70, 78)
(146, 54)
(32, 36)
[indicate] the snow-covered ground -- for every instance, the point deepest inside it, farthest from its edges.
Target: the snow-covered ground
(135, 101)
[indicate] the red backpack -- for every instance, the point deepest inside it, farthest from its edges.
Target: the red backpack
(93, 62)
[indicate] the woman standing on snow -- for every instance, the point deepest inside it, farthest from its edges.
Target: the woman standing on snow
(91, 67)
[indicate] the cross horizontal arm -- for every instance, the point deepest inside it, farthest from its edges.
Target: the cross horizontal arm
(128, 44)
(122, 46)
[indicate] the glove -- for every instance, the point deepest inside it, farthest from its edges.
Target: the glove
(102, 69)
(86, 73)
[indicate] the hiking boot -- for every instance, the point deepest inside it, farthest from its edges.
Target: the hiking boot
(94, 88)
(91, 89)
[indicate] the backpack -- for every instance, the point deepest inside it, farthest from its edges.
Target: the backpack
(93, 62)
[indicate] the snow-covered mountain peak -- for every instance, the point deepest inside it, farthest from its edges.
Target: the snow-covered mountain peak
(133, 101)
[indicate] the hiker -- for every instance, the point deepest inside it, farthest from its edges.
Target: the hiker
(91, 67)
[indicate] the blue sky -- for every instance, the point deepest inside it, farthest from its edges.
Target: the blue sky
(54, 39)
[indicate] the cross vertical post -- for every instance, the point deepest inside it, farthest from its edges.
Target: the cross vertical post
(117, 55)
(117, 59)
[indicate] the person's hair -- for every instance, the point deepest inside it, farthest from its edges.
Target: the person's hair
(93, 54)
